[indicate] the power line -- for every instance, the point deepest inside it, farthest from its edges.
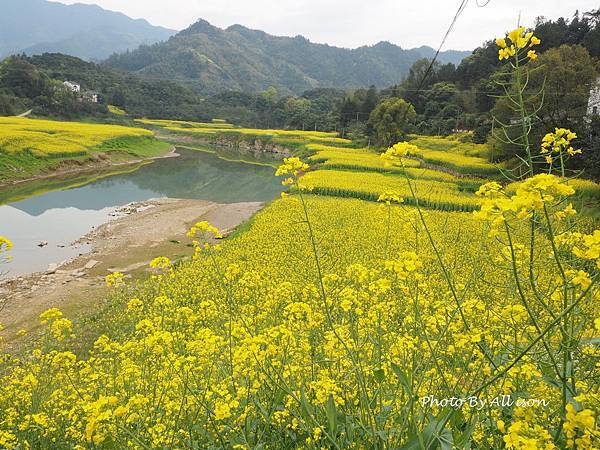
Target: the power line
(461, 8)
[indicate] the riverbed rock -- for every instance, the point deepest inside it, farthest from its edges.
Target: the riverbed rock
(91, 264)
(42, 244)
(52, 268)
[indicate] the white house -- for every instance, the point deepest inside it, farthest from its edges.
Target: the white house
(594, 101)
(90, 97)
(73, 87)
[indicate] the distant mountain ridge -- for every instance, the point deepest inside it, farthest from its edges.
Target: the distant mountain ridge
(86, 31)
(210, 60)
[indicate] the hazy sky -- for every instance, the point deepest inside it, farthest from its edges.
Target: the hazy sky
(351, 23)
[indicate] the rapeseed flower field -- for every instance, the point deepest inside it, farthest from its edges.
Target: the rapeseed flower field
(435, 194)
(337, 323)
(48, 138)
(293, 138)
(340, 323)
(29, 147)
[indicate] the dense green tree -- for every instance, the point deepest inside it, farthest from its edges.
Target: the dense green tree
(22, 78)
(564, 75)
(391, 120)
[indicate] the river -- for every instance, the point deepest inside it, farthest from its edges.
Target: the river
(60, 217)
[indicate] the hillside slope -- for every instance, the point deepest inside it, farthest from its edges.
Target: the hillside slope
(211, 59)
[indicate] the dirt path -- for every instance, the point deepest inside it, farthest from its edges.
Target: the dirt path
(149, 229)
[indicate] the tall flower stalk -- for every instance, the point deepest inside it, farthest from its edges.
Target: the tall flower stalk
(518, 49)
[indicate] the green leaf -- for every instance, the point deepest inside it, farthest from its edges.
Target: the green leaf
(331, 415)
(306, 407)
(379, 375)
(403, 379)
(445, 439)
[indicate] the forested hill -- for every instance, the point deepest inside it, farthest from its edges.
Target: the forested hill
(211, 60)
(85, 31)
(36, 82)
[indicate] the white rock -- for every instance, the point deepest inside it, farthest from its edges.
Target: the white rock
(91, 264)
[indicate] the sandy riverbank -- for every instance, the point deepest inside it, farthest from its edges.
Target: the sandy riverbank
(149, 229)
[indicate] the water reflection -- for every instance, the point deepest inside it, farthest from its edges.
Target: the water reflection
(61, 217)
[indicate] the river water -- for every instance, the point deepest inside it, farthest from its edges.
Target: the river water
(63, 216)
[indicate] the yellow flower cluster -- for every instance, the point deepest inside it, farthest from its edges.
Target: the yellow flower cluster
(205, 228)
(307, 331)
(114, 279)
(291, 168)
(216, 128)
(559, 142)
(584, 246)
(398, 151)
(355, 158)
(59, 327)
(5, 244)
(580, 427)
(244, 348)
(369, 186)
(517, 40)
(453, 158)
(160, 263)
(116, 110)
(184, 124)
(532, 195)
(390, 197)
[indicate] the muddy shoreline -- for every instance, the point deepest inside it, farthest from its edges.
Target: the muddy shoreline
(127, 244)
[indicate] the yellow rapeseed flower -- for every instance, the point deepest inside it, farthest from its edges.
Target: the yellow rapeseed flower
(5, 244)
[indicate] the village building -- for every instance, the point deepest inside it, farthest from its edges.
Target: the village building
(73, 87)
(90, 96)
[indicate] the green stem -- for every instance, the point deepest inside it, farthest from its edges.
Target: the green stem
(521, 101)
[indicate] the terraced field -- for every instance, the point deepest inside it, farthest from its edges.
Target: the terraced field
(296, 139)
(332, 322)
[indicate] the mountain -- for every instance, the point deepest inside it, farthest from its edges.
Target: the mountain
(85, 31)
(211, 60)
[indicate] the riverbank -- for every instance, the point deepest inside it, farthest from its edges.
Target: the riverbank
(146, 230)
(97, 166)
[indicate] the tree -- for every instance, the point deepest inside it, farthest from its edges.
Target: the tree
(298, 113)
(370, 101)
(565, 75)
(391, 120)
